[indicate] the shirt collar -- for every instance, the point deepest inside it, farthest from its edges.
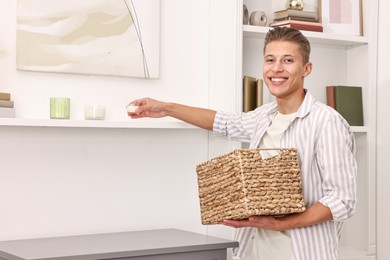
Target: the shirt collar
(303, 110)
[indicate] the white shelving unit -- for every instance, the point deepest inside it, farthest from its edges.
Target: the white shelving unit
(337, 59)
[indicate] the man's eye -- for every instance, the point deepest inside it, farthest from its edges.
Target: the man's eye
(269, 60)
(288, 60)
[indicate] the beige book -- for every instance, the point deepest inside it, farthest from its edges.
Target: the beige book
(259, 93)
(6, 103)
(5, 96)
(249, 93)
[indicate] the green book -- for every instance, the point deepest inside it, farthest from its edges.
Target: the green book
(348, 101)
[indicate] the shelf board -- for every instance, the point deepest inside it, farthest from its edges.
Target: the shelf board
(359, 129)
(250, 31)
(131, 123)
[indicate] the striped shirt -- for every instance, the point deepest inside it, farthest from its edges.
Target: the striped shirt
(326, 148)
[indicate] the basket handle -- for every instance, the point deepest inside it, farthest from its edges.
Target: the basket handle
(268, 149)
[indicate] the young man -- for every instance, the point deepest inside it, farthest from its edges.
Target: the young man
(325, 144)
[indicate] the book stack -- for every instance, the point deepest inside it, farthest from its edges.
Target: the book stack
(252, 93)
(6, 105)
(301, 20)
(348, 101)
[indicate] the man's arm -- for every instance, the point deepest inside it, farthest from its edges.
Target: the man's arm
(147, 107)
(315, 214)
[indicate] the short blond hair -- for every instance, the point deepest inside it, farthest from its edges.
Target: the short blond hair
(290, 35)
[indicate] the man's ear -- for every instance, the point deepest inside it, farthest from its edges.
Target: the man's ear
(308, 68)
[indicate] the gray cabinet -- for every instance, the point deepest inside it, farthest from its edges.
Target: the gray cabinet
(163, 244)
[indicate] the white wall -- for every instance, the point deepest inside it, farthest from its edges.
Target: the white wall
(184, 68)
(383, 142)
(64, 181)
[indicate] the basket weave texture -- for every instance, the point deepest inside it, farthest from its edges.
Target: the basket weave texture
(242, 184)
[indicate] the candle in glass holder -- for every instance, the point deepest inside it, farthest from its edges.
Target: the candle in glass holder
(95, 112)
(59, 108)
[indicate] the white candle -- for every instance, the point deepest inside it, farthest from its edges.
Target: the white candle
(131, 109)
(95, 112)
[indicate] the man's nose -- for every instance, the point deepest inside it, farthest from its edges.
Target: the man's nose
(278, 66)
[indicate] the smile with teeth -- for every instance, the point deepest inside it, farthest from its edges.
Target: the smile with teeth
(278, 79)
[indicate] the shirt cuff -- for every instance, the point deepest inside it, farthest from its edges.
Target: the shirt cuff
(337, 207)
(219, 126)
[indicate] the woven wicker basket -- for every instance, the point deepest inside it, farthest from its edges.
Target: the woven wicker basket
(242, 184)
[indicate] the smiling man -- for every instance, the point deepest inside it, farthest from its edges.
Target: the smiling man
(324, 141)
(284, 69)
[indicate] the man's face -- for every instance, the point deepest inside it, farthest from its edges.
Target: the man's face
(284, 69)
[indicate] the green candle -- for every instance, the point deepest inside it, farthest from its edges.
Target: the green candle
(59, 108)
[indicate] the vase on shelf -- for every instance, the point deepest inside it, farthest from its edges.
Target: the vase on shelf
(295, 4)
(245, 14)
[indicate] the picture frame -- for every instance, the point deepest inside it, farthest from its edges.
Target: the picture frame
(341, 16)
(91, 37)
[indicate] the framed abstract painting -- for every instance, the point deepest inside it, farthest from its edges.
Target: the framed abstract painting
(94, 37)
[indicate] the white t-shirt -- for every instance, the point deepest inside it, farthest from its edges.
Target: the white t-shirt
(269, 244)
